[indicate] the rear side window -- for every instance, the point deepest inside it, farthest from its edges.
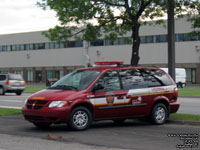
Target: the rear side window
(143, 78)
(155, 78)
(2, 77)
(132, 79)
(15, 77)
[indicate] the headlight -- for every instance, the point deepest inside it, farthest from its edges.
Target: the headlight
(57, 104)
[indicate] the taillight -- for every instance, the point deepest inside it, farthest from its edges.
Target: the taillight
(8, 82)
(24, 82)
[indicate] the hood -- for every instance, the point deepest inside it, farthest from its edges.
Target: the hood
(50, 94)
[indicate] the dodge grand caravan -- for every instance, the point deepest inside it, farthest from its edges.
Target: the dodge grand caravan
(108, 91)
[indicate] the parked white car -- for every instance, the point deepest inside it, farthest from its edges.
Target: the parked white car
(180, 76)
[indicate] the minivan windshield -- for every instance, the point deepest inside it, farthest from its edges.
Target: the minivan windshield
(77, 80)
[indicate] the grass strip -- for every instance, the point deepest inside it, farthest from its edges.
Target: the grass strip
(33, 89)
(185, 117)
(9, 111)
(189, 91)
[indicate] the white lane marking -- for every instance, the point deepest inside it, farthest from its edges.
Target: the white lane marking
(14, 101)
(10, 107)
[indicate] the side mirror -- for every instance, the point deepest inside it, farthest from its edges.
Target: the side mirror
(97, 87)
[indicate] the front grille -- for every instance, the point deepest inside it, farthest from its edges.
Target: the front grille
(36, 104)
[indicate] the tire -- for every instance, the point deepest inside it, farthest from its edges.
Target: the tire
(19, 92)
(119, 121)
(179, 85)
(80, 118)
(2, 92)
(159, 114)
(42, 125)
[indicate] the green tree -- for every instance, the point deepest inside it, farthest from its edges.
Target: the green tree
(90, 19)
(195, 19)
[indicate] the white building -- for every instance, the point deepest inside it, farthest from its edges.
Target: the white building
(39, 59)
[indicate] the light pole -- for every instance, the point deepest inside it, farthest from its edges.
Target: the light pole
(171, 39)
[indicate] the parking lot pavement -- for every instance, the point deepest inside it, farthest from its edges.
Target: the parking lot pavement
(11, 142)
(133, 134)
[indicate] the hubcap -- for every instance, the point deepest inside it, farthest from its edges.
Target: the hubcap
(160, 114)
(80, 119)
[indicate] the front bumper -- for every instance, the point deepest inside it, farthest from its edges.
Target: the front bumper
(174, 107)
(47, 115)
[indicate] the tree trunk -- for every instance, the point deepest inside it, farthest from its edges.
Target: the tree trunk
(136, 44)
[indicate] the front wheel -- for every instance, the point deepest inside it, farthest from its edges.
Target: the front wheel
(159, 114)
(80, 118)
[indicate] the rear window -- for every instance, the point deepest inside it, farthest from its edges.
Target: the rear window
(15, 77)
(2, 77)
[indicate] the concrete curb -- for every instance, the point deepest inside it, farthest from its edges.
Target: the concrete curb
(184, 122)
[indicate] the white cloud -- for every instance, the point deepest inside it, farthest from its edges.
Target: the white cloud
(24, 16)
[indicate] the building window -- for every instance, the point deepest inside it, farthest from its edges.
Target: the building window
(52, 45)
(142, 39)
(29, 76)
(18, 72)
(1, 48)
(62, 45)
(47, 45)
(110, 42)
(99, 42)
(4, 48)
(9, 48)
(31, 46)
(149, 39)
(27, 47)
(161, 38)
(121, 41)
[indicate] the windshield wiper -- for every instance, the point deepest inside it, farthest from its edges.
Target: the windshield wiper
(67, 87)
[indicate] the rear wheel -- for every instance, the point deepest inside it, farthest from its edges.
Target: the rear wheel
(19, 92)
(80, 118)
(159, 114)
(2, 92)
(42, 125)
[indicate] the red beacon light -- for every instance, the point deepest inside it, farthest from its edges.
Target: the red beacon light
(108, 63)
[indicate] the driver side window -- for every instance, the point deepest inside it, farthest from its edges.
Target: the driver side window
(110, 81)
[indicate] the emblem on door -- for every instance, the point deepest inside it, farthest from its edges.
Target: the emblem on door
(110, 98)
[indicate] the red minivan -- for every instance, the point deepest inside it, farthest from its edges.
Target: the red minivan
(108, 91)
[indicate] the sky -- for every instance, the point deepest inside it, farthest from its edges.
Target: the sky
(18, 16)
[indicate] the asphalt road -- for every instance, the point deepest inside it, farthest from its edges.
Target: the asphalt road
(189, 105)
(133, 134)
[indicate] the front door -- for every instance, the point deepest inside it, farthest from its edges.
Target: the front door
(108, 101)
